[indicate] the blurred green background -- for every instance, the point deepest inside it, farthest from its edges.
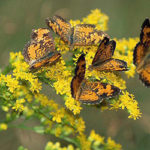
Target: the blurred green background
(19, 17)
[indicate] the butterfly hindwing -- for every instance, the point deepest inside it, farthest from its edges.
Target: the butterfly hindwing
(60, 26)
(144, 76)
(111, 65)
(96, 92)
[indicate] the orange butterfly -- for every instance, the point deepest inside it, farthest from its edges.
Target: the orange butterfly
(141, 56)
(90, 92)
(80, 35)
(103, 60)
(40, 51)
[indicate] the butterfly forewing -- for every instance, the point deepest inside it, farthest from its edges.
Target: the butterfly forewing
(79, 76)
(60, 26)
(104, 51)
(145, 32)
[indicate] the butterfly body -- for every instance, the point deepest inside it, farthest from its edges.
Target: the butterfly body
(79, 35)
(40, 51)
(141, 56)
(89, 92)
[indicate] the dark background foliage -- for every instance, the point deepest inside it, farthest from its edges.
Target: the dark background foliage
(19, 17)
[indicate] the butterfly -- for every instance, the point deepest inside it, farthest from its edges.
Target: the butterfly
(141, 56)
(40, 50)
(103, 60)
(80, 35)
(89, 92)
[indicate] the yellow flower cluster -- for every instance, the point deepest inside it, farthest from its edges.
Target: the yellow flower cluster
(11, 83)
(19, 105)
(111, 145)
(62, 74)
(99, 141)
(98, 18)
(62, 77)
(56, 146)
(124, 51)
(127, 101)
(21, 71)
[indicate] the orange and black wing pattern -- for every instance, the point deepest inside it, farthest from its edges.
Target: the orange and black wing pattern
(141, 54)
(60, 26)
(144, 76)
(86, 35)
(90, 92)
(79, 76)
(102, 60)
(41, 49)
(96, 92)
(105, 51)
(145, 32)
(111, 65)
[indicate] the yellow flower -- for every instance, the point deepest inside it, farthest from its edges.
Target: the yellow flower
(111, 145)
(58, 115)
(85, 144)
(80, 125)
(124, 51)
(96, 138)
(56, 146)
(127, 101)
(44, 101)
(98, 18)
(19, 105)
(11, 83)
(72, 104)
(3, 126)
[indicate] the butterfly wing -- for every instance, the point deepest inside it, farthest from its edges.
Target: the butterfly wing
(86, 34)
(96, 92)
(144, 76)
(145, 32)
(41, 49)
(139, 53)
(105, 51)
(60, 26)
(143, 69)
(79, 76)
(111, 65)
